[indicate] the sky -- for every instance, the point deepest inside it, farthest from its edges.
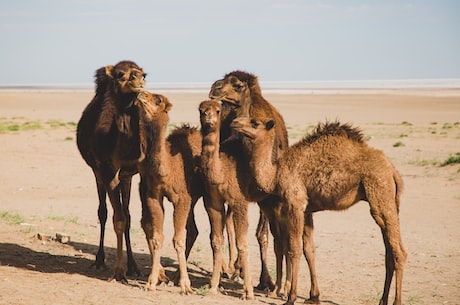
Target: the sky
(64, 42)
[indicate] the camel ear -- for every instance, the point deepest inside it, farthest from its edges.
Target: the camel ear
(269, 125)
(109, 71)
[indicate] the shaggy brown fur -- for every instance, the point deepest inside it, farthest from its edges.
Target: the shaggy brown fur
(170, 169)
(332, 169)
(107, 138)
(241, 95)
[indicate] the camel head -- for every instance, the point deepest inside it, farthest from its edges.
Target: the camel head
(210, 114)
(152, 104)
(123, 78)
(235, 88)
(253, 128)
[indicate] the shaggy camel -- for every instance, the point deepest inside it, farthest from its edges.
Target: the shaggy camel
(241, 95)
(169, 169)
(107, 141)
(227, 180)
(331, 169)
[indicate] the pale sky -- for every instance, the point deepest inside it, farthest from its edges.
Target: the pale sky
(64, 42)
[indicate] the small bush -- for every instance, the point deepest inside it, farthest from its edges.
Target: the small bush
(398, 144)
(452, 160)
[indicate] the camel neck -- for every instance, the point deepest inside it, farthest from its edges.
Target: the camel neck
(263, 164)
(210, 158)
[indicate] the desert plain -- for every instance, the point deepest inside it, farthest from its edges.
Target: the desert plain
(47, 188)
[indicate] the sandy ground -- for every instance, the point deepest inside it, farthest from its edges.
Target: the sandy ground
(46, 188)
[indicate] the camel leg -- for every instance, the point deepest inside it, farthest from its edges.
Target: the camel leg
(309, 253)
(125, 186)
(294, 227)
(180, 217)
(102, 215)
(265, 280)
(192, 231)
(112, 184)
(152, 223)
(240, 218)
(386, 216)
(232, 260)
(216, 213)
(278, 249)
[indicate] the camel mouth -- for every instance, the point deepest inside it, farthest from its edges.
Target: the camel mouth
(136, 89)
(230, 103)
(239, 127)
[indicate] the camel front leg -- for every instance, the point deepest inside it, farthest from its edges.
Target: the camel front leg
(180, 216)
(232, 257)
(294, 224)
(240, 218)
(309, 253)
(216, 212)
(125, 187)
(152, 223)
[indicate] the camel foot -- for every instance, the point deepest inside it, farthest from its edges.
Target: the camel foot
(312, 300)
(99, 264)
(265, 284)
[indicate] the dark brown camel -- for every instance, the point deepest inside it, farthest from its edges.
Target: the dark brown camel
(107, 140)
(331, 169)
(169, 169)
(241, 95)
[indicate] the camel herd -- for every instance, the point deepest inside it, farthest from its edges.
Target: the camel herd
(239, 155)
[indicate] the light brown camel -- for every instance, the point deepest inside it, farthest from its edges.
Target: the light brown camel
(240, 95)
(169, 169)
(227, 180)
(108, 141)
(331, 169)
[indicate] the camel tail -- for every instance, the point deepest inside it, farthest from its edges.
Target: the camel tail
(399, 187)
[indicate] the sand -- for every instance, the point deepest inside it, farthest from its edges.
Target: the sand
(46, 188)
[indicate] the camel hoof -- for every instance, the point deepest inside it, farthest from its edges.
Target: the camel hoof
(99, 265)
(312, 301)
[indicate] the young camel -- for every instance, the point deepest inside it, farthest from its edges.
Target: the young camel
(226, 180)
(169, 169)
(331, 169)
(107, 138)
(240, 94)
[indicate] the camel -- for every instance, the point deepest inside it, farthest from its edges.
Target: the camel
(331, 169)
(107, 141)
(241, 95)
(227, 180)
(169, 169)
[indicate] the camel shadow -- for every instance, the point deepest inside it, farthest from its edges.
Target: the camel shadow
(22, 257)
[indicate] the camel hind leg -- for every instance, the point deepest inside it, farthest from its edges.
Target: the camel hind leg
(265, 280)
(102, 215)
(384, 209)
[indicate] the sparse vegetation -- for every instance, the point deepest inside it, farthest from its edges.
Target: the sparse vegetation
(203, 290)
(455, 159)
(399, 144)
(405, 123)
(17, 124)
(11, 218)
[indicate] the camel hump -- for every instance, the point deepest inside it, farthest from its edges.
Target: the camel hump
(335, 129)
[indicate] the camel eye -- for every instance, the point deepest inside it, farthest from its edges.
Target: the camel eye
(158, 100)
(238, 87)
